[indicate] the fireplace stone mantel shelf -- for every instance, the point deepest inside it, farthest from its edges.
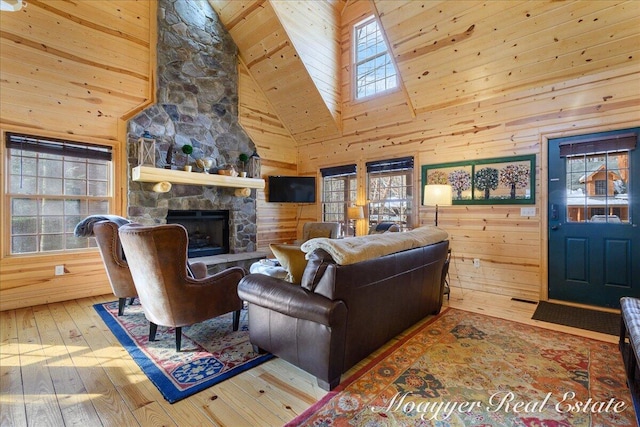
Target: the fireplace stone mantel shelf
(151, 174)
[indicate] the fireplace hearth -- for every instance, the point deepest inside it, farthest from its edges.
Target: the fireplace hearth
(208, 230)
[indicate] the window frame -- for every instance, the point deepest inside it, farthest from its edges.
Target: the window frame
(50, 149)
(356, 61)
(347, 174)
(393, 168)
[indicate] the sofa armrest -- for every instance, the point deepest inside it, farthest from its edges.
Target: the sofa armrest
(288, 299)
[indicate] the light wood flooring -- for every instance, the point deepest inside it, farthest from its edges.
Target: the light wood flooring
(61, 366)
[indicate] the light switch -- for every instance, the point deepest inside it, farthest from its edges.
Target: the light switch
(528, 211)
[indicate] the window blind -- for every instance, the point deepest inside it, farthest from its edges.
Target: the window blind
(58, 146)
(602, 144)
(390, 165)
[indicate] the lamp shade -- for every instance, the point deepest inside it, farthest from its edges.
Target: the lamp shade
(11, 5)
(437, 195)
(355, 212)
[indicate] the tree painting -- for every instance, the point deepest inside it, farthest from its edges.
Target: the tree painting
(486, 179)
(460, 181)
(437, 177)
(514, 176)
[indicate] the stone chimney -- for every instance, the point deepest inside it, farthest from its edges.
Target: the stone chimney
(196, 104)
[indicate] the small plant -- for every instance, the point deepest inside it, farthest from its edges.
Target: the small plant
(243, 159)
(187, 149)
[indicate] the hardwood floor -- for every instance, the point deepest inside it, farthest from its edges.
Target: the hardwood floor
(61, 366)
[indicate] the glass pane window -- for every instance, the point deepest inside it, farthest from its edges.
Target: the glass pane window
(339, 190)
(597, 187)
(390, 192)
(53, 185)
(374, 69)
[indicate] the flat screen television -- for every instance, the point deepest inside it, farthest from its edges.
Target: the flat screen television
(292, 189)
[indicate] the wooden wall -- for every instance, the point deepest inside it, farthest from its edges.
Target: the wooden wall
(277, 222)
(74, 70)
(511, 248)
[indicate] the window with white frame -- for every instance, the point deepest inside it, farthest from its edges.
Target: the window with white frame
(390, 192)
(374, 69)
(52, 185)
(339, 190)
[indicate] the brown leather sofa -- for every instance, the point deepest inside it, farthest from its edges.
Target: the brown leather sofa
(342, 313)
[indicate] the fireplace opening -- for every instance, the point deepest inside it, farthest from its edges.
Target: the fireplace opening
(208, 230)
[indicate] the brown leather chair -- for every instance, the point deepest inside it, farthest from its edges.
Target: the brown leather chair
(122, 285)
(157, 257)
(106, 234)
(312, 230)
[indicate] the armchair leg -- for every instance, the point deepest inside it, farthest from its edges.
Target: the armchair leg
(132, 300)
(257, 349)
(121, 303)
(178, 338)
(236, 320)
(152, 331)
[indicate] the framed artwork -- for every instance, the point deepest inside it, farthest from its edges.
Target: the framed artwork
(506, 180)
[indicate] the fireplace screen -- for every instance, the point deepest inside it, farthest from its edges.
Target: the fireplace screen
(208, 230)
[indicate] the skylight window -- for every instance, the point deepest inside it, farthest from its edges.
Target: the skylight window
(375, 72)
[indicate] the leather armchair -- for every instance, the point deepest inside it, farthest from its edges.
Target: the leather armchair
(118, 273)
(106, 234)
(157, 257)
(312, 230)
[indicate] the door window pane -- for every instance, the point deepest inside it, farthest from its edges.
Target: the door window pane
(597, 187)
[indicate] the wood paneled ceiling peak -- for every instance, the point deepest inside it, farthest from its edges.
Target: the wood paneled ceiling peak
(448, 53)
(270, 36)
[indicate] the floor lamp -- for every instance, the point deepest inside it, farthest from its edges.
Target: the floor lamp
(437, 195)
(355, 213)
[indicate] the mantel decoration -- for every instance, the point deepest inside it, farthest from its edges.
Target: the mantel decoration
(253, 166)
(243, 162)
(146, 150)
(204, 164)
(505, 180)
(187, 149)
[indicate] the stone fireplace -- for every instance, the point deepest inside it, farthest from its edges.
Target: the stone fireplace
(197, 105)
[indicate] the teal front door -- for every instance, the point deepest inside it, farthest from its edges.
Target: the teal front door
(594, 218)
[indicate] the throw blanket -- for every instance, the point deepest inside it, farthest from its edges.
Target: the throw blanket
(355, 249)
(85, 227)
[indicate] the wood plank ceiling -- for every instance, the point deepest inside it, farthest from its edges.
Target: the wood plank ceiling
(448, 53)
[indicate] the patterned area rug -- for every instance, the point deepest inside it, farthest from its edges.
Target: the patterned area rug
(211, 351)
(466, 369)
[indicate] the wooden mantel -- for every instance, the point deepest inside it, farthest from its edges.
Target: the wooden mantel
(151, 174)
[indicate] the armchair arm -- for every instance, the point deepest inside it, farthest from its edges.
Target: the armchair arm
(198, 269)
(288, 299)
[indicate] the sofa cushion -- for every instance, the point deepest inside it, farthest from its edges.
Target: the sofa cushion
(292, 259)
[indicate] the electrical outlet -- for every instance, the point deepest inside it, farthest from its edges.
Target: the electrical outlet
(528, 211)
(59, 270)
(476, 262)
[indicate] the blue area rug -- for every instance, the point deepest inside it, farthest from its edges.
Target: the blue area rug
(211, 351)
